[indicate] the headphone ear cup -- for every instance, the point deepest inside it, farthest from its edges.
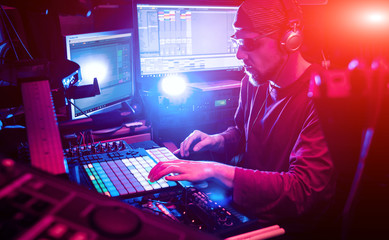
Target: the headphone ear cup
(292, 40)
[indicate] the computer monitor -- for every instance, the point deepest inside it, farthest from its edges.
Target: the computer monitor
(190, 38)
(108, 57)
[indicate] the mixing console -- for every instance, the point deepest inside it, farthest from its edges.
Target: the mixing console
(119, 170)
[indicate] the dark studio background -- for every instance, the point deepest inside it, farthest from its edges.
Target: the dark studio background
(333, 33)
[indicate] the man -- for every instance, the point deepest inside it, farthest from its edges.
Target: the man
(285, 174)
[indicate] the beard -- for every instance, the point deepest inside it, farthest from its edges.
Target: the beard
(255, 77)
(259, 77)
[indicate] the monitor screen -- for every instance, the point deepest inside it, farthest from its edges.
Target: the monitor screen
(184, 38)
(106, 56)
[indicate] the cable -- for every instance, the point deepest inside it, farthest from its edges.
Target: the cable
(325, 61)
(79, 109)
(8, 34)
(81, 138)
(16, 33)
(107, 131)
(92, 138)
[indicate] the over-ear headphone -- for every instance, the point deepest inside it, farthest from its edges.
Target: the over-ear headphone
(293, 37)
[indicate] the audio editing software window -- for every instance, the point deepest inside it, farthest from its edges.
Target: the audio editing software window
(106, 56)
(185, 38)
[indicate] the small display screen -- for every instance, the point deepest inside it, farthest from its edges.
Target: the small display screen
(220, 103)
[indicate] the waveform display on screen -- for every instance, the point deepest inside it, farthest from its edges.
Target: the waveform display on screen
(185, 38)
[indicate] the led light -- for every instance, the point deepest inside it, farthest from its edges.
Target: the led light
(317, 80)
(88, 13)
(376, 17)
(353, 64)
(174, 85)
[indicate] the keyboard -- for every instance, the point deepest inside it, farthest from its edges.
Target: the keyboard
(123, 173)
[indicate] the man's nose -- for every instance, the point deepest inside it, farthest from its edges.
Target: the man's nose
(241, 54)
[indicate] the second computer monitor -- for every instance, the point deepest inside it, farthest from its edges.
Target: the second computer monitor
(107, 56)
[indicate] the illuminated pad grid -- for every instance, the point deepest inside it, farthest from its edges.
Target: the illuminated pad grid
(162, 154)
(128, 175)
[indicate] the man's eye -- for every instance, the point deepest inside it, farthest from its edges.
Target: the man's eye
(235, 43)
(248, 44)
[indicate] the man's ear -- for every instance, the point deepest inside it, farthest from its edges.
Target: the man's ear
(292, 40)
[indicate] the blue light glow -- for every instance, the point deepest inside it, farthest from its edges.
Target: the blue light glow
(317, 80)
(94, 67)
(174, 85)
(353, 64)
(88, 13)
(219, 196)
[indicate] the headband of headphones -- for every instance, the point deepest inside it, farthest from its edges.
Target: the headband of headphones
(292, 39)
(293, 13)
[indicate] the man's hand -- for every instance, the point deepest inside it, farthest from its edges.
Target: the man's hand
(199, 141)
(192, 171)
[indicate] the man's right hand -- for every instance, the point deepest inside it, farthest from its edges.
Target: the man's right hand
(199, 141)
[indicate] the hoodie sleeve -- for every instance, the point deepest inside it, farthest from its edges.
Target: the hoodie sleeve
(308, 182)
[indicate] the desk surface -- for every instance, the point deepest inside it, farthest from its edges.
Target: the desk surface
(130, 133)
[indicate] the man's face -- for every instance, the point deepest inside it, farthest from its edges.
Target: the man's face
(261, 55)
